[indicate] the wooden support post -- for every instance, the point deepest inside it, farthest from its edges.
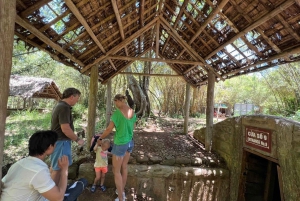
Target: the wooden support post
(92, 103)
(7, 24)
(210, 110)
(108, 102)
(187, 108)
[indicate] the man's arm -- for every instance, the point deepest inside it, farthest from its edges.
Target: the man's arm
(57, 192)
(66, 129)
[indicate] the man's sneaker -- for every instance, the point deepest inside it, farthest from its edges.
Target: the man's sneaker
(124, 197)
(103, 188)
(93, 188)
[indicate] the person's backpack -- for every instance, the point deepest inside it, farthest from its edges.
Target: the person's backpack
(94, 141)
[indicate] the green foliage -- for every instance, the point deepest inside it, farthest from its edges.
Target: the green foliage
(198, 115)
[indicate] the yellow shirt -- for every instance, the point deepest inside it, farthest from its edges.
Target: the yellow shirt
(101, 158)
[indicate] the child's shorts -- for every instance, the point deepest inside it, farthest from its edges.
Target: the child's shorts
(62, 147)
(120, 150)
(101, 169)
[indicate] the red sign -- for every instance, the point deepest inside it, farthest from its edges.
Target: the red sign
(258, 138)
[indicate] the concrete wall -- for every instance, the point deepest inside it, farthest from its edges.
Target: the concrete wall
(170, 183)
(229, 141)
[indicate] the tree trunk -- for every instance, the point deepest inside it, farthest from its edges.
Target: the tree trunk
(7, 24)
(139, 92)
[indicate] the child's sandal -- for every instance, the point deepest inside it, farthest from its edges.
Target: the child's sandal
(103, 188)
(93, 188)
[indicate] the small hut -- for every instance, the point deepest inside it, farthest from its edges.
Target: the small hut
(32, 87)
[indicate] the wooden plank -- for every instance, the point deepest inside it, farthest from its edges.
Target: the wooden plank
(81, 19)
(155, 60)
(121, 45)
(263, 19)
(209, 111)
(45, 39)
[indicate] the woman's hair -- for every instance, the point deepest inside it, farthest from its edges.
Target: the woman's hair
(120, 97)
(70, 92)
(40, 141)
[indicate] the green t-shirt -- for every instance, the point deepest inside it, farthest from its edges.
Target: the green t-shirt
(124, 127)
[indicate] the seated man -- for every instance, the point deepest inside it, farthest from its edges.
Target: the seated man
(29, 179)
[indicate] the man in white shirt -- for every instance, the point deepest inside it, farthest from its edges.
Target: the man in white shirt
(29, 179)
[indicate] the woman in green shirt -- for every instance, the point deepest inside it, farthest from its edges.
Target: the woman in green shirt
(123, 120)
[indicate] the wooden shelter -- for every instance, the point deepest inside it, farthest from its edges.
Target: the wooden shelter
(226, 37)
(203, 41)
(33, 87)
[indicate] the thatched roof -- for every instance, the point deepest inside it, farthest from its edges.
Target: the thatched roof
(33, 87)
(228, 37)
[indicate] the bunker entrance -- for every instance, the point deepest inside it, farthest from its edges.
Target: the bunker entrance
(260, 179)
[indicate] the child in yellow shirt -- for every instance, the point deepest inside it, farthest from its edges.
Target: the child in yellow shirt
(101, 163)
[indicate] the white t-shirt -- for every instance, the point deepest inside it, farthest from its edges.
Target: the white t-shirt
(26, 180)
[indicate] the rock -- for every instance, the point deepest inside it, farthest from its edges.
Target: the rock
(182, 160)
(72, 173)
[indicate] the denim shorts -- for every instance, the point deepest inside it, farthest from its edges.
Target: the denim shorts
(62, 147)
(120, 150)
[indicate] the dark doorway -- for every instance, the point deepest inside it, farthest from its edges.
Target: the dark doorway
(260, 179)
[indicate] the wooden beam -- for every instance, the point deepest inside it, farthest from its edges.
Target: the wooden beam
(54, 56)
(81, 19)
(157, 39)
(7, 25)
(209, 111)
(149, 75)
(160, 7)
(185, 72)
(288, 27)
(154, 60)
(187, 108)
(34, 7)
(46, 40)
(116, 11)
(209, 19)
(191, 51)
(92, 102)
(277, 56)
(265, 18)
(124, 67)
(121, 45)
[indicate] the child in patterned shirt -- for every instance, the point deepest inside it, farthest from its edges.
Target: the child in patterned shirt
(101, 163)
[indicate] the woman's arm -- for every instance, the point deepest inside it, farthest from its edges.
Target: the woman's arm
(107, 131)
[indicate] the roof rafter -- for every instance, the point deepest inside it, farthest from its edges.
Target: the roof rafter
(76, 12)
(121, 45)
(280, 55)
(188, 48)
(265, 18)
(154, 60)
(115, 7)
(45, 39)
